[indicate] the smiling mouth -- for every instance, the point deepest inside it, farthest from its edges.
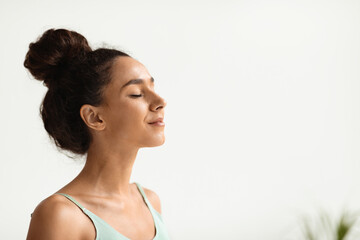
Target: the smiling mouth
(160, 119)
(158, 123)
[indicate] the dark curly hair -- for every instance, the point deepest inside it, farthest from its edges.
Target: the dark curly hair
(75, 75)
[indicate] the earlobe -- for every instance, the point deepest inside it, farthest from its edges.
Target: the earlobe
(90, 116)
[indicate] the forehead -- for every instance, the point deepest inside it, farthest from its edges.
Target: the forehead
(127, 68)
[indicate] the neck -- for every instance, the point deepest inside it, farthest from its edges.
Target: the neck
(107, 171)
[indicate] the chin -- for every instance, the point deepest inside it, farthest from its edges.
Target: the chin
(160, 143)
(155, 143)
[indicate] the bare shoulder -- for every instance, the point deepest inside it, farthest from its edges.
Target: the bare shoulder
(153, 198)
(56, 218)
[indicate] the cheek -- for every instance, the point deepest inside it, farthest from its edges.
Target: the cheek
(128, 116)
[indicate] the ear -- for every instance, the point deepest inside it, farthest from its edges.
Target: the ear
(90, 115)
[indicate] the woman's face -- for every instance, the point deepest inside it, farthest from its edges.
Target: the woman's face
(128, 117)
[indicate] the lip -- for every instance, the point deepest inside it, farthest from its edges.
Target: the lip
(159, 124)
(159, 120)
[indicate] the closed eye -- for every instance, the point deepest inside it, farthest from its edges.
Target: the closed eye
(136, 95)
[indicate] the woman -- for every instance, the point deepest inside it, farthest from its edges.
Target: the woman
(101, 103)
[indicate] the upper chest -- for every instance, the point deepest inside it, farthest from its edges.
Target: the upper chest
(135, 221)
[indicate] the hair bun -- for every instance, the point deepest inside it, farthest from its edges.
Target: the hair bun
(53, 51)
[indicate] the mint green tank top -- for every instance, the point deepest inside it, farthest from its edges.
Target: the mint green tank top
(105, 232)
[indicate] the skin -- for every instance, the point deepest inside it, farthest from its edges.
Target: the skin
(120, 127)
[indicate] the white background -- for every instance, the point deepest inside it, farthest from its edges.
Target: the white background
(262, 121)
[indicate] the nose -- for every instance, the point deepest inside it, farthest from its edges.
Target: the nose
(159, 103)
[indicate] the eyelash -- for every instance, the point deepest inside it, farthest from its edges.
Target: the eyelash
(136, 95)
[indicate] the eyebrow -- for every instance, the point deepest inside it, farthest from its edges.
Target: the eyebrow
(136, 81)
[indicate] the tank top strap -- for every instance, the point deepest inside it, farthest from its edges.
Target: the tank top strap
(143, 193)
(73, 200)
